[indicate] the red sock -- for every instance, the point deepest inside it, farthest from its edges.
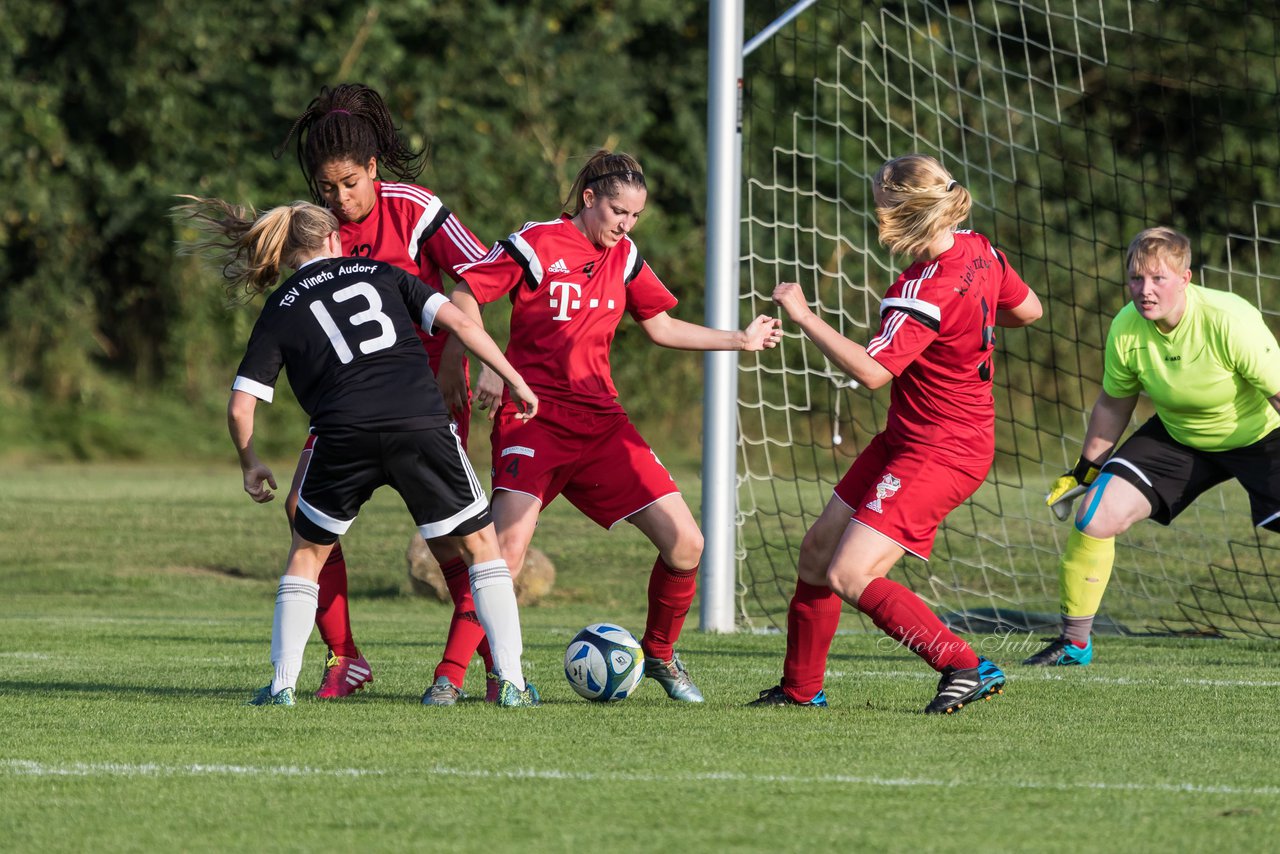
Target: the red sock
(670, 595)
(812, 619)
(904, 616)
(465, 631)
(333, 617)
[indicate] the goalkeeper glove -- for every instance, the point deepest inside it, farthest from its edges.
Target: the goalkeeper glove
(1071, 486)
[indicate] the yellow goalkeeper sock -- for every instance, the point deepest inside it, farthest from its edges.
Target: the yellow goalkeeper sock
(1083, 576)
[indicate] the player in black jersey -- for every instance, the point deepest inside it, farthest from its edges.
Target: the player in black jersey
(343, 328)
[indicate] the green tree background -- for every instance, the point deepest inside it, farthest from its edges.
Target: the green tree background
(113, 345)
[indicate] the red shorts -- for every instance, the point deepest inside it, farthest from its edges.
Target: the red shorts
(598, 460)
(904, 492)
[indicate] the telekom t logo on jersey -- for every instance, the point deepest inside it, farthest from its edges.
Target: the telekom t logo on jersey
(567, 296)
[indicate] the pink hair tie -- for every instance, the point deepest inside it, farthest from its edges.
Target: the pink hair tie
(344, 112)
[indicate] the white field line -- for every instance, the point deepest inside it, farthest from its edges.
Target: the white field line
(29, 768)
(1017, 676)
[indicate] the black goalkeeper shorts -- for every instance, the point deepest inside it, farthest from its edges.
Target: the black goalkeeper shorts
(1172, 475)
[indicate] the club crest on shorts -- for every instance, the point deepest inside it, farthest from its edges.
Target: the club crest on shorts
(886, 488)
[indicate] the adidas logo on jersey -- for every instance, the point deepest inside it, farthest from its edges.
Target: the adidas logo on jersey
(558, 267)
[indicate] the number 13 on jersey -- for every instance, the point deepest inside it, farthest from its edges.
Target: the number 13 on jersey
(373, 314)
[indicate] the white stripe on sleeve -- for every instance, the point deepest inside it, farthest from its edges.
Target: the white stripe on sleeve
(429, 215)
(430, 310)
(465, 241)
(927, 309)
(891, 326)
(530, 257)
(494, 252)
(259, 390)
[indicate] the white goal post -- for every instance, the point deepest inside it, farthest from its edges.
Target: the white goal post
(720, 371)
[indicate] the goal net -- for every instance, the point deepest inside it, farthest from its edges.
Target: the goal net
(1074, 125)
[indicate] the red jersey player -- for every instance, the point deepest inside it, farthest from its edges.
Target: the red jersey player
(570, 280)
(937, 331)
(344, 135)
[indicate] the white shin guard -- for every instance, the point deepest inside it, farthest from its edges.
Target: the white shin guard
(296, 602)
(495, 598)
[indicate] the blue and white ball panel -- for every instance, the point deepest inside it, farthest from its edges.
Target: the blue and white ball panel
(604, 662)
(628, 670)
(585, 669)
(613, 634)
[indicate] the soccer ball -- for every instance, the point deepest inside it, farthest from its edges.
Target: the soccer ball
(604, 662)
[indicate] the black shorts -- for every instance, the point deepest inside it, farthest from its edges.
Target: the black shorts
(1171, 475)
(427, 467)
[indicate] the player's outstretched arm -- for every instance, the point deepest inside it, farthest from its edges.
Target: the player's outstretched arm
(667, 331)
(452, 377)
(1026, 313)
(847, 355)
(487, 389)
(1107, 422)
(257, 476)
(457, 316)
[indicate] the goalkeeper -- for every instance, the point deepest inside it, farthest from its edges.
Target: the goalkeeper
(1212, 370)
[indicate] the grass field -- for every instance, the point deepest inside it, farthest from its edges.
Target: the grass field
(137, 620)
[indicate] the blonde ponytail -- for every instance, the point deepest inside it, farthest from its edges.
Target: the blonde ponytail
(252, 247)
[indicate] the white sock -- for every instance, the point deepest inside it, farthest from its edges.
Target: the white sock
(296, 601)
(496, 607)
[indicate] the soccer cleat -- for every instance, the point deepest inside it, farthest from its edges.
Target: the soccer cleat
(492, 685)
(442, 693)
(775, 696)
(673, 677)
(343, 676)
(1062, 653)
(959, 687)
(264, 697)
(510, 696)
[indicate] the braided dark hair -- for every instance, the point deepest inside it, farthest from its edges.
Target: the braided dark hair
(350, 122)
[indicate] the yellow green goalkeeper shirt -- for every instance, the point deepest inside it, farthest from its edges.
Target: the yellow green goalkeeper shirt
(1209, 379)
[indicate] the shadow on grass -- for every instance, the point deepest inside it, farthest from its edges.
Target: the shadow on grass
(206, 640)
(234, 696)
(117, 690)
